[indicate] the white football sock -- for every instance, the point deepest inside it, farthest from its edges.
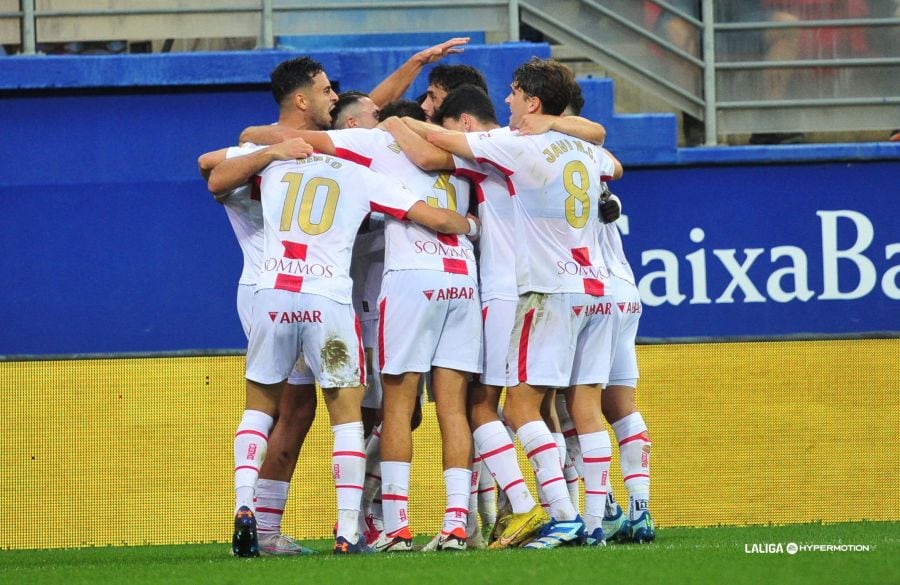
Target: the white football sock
(395, 495)
(542, 452)
(487, 495)
(499, 455)
(596, 453)
(250, 442)
(271, 498)
(457, 482)
(634, 451)
(348, 466)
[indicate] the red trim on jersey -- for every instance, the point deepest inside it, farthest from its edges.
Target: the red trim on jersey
(294, 250)
(289, 282)
(382, 309)
(596, 459)
(523, 345)
(476, 178)
(362, 352)
(347, 154)
(269, 510)
(373, 476)
(348, 486)
(606, 177)
(642, 436)
(485, 490)
(348, 454)
(392, 211)
(582, 256)
(627, 477)
(497, 451)
(570, 433)
(251, 432)
(541, 449)
(455, 266)
(595, 493)
(507, 174)
(594, 287)
(246, 467)
(484, 312)
(448, 239)
(457, 510)
(256, 188)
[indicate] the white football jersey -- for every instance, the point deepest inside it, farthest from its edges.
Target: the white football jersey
(409, 246)
(555, 181)
(312, 210)
(242, 206)
(496, 243)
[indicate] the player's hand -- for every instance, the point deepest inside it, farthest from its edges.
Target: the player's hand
(610, 209)
(293, 148)
(532, 124)
(438, 52)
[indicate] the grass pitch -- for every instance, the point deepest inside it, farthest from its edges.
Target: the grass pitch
(725, 555)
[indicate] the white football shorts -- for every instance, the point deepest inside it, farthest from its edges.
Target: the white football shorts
(327, 332)
(300, 375)
(624, 370)
(551, 334)
(429, 318)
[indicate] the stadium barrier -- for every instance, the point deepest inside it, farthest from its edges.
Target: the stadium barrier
(138, 451)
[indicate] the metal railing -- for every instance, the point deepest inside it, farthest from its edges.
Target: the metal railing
(49, 21)
(729, 93)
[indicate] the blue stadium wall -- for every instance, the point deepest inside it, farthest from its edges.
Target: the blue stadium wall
(111, 242)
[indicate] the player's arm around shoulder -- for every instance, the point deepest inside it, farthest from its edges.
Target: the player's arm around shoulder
(208, 161)
(576, 126)
(423, 154)
(268, 134)
(441, 220)
(451, 141)
(236, 171)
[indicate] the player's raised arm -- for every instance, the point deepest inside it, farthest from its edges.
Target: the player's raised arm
(576, 126)
(441, 220)
(395, 85)
(423, 154)
(236, 171)
(451, 141)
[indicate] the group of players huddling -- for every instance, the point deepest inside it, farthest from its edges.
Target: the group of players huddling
(531, 292)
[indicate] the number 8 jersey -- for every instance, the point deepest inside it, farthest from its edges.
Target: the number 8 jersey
(555, 183)
(312, 209)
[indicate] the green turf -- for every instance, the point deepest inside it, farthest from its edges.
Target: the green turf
(680, 555)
